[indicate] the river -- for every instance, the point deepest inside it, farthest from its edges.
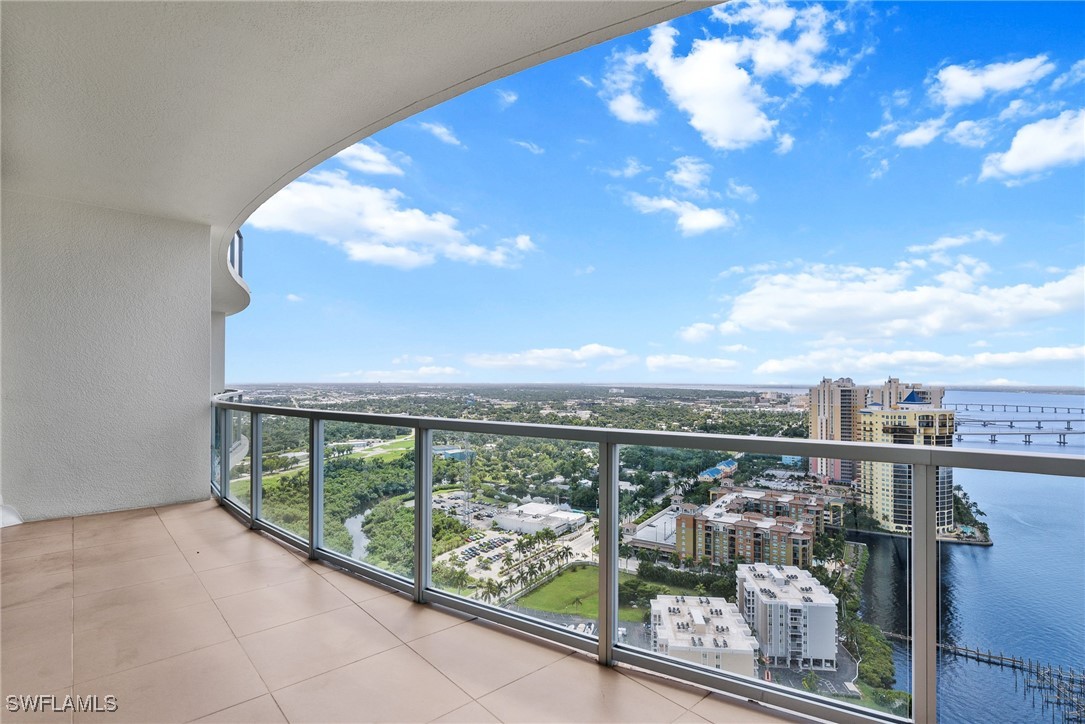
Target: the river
(1024, 596)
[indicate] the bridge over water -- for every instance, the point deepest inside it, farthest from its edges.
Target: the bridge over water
(1001, 407)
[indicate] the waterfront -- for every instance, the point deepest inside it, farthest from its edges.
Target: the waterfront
(1024, 596)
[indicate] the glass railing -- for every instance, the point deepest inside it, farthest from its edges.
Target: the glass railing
(638, 547)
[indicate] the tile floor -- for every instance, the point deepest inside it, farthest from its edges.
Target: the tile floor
(182, 614)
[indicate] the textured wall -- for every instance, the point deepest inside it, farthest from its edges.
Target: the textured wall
(106, 358)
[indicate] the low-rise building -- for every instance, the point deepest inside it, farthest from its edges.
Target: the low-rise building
(722, 469)
(706, 631)
(534, 517)
(792, 615)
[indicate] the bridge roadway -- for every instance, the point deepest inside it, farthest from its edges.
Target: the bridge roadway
(976, 422)
(1000, 407)
(993, 436)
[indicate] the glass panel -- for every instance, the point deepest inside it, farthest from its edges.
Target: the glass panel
(1013, 612)
(285, 483)
(756, 565)
(515, 525)
(239, 489)
(216, 452)
(369, 494)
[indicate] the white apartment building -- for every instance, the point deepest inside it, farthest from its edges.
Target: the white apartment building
(534, 517)
(705, 631)
(792, 616)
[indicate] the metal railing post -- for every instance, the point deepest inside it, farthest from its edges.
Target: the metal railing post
(608, 551)
(423, 512)
(224, 463)
(256, 467)
(316, 485)
(924, 582)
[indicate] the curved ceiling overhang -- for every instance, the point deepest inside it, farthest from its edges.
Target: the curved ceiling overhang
(200, 111)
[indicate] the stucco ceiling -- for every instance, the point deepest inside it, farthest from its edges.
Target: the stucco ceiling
(201, 110)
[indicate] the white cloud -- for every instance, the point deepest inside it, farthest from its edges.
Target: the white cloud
(427, 373)
(980, 343)
(1020, 108)
(881, 169)
(294, 298)
(784, 143)
(957, 85)
(697, 332)
(735, 348)
(742, 193)
(586, 81)
(442, 133)
(691, 174)
(951, 242)
(632, 168)
(922, 134)
(372, 158)
(692, 219)
(372, 225)
(903, 301)
(507, 97)
(974, 134)
(1075, 75)
(583, 271)
(555, 358)
(860, 361)
(415, 358)
(533, 148)
(621, 88)
(1038, 147)
(657, 362)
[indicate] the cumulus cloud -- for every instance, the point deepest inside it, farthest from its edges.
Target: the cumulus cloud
(412, 358)
(784, 143)
(862, 361)
(555, 358)
(1075, 75)
(294, 298)
(690, 174)
(697, 332)
(371, 157)
(532, 147)
(743, 193)
(373, 225)
(632, 168)
(957, 85)
(507, 97)
(422, 374)
(621, 88)
(442, 133)
(952, 242)
(1039, 147)
(691, 219)
(974, 134)
(735, 348)
(906, 300)
(658, 362)
(922, 134)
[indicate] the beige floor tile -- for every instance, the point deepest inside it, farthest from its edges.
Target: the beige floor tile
(480, 658)
(113, 519)
(723, 709)
(42, 710)
(262, 710)
(396, 685)
(101, 609)
(36, 589)
(688, 717)
(181, 510)
(355, 588)
(36, 529)
(156, 544)
(588, 693)
(28, 624)
(468, 714)
(28, 547)
(143, 527)
(252, 575)
(45, 564)
(248, 547)
(142, 639)
(209, 536)
(262, 609)
(37, 667)
(296, 651)
(180, 688)
(682, 694)
(408, 620)
(129, 573)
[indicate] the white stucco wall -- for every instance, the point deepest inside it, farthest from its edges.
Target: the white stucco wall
(105, 358)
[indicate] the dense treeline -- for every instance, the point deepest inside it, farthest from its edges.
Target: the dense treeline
(719, 583)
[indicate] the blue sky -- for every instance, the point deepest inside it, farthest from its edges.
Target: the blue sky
(756, 193)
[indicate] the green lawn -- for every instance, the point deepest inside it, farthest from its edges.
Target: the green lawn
(577, 593)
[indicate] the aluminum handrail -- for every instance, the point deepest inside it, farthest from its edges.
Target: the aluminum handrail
(924, 544)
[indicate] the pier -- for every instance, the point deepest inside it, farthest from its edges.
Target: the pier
(999, 407)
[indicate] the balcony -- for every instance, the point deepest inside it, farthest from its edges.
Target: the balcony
(183, 614)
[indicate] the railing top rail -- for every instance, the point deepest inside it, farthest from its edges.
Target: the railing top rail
(1018, 462)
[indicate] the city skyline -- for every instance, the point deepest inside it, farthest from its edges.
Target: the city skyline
(890, 192)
